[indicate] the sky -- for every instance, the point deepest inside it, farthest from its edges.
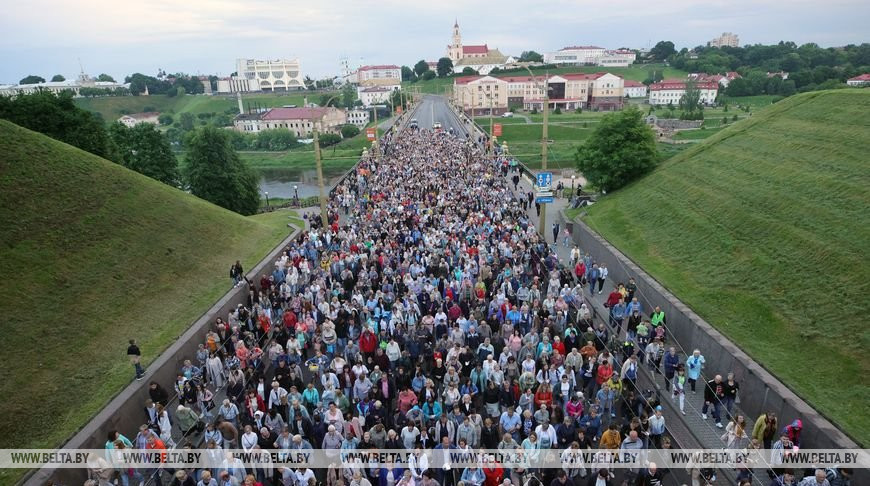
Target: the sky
(119, 37)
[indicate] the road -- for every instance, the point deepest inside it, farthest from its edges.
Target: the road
(433, 109)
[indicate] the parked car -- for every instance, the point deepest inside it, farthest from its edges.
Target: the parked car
(437, 126)
(507, 114)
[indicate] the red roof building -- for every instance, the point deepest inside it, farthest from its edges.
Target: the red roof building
(860, 80)
(466, 50)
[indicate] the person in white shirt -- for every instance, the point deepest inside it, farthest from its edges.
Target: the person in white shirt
(418, 463)
(303, 475)
(276, 395)
(249, 438)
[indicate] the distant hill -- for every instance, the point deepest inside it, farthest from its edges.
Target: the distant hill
(92, 255)
(764, 230)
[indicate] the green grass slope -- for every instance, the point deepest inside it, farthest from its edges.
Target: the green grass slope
(94, 254)
(112, 107)
(763, 230)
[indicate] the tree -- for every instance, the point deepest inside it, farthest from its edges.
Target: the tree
(469, 71)
(32, 79)
(106, 78)
(327, 139)
(187, 121)
(408, 74)
(214, 172)
(348, 96)
(690, 103)
(428, 75)
(621, 149)
(421, 67)
(165, 119)
(444, 67)
(277, 139)
(662, 50)
(531, 56)
(58, 117)
(57, 78)
(146, 150)
(349, 131)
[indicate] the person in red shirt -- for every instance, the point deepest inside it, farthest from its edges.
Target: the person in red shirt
(493, 471)
(544, 396)
(613, 298)
(368, 342)
(605, 371)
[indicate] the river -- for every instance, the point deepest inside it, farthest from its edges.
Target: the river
(281, 182)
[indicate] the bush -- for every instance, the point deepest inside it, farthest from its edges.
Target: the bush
(327, 139)
(165, 119)
(349, 131)
(557, 111)
(734, 118)
(534, 111)
(578, 110)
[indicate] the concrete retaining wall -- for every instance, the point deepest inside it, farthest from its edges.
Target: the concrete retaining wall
(126, 411)
(760, 391)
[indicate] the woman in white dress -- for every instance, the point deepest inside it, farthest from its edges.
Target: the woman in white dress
(215, 369)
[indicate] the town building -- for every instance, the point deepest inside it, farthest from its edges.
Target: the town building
(480, 58)
(859, 81)
(374, 95)
(722, 79)
(726, 39)
(387, 71)
(590, 56)
(671, 91)
(359, 118)
(56, 87)
(134, 119)
(300, 121)
(480, 94)
(254, 75)
(634, 89)
(206, 84)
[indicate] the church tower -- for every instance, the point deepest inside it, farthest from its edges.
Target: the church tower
(454, 50)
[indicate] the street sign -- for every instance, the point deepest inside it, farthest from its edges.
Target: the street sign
(544, 200)
(370, 134)
(544, 194)
(496, 129)
(544, 179)
(398, 110)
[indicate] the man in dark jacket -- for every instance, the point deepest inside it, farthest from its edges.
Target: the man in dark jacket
(714, 392)
(671, 363)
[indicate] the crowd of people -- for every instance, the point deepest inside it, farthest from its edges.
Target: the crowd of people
(428, 313)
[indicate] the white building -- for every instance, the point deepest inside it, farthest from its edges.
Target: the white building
(859, 81)
(726, 39)
(385, 71)
(591, 56)
(57, 87)
(617, 58)
(575, 55)
(134, 119)
(270, 75)
(374, 95)
(671, 91)
(634, 89)
(301, 121)
(359, 118)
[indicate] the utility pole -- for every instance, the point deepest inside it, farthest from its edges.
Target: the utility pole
(324, 215)
(543, 220)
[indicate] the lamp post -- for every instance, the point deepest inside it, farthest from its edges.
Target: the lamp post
(544, 139)
(296, 194)
(573, 178)
(267, 200)
(324, 215)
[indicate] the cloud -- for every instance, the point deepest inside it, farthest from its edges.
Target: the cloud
(120, 36)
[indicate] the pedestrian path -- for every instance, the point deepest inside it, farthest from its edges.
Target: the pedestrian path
(690, 430)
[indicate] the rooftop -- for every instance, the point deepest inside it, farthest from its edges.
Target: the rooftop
(861, 77)
(144, 114)
(571, 48)
(379, 66)
(295, 113)
(483, 49)
(669, 84)
(633, 84)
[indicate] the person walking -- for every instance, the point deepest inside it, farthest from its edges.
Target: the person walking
(555, 233)
(135, 356)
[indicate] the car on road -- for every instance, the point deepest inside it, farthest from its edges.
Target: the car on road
(437, 126)
(507, 114)
(414, 123)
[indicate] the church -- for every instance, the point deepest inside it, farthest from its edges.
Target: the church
(480, 58)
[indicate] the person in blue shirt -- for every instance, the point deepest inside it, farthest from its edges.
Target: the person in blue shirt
(671, 363)
(510, 422)
(473, 476)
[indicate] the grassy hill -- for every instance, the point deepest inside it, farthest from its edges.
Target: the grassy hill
(93, 255)
(763, 230)
(112, 107)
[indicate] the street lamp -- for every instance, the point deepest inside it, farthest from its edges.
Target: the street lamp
(267, 200)
(544, 138)
(296, 194)
(324, 216)
(573, 177)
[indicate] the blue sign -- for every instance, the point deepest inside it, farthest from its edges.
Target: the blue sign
(544, 200)
(545, 179)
